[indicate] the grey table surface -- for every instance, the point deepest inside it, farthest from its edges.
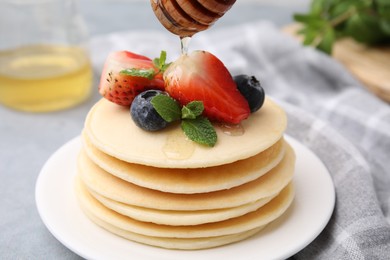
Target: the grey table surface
(28, 139)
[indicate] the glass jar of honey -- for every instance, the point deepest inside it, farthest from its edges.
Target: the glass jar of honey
(44, 62)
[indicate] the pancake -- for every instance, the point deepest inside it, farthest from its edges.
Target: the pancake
(179, 218)
(263, 216)
(116, 189)
(111, 130)
(174, 243)
(189, 180)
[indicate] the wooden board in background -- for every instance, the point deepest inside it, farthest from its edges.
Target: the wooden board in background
(370, 65)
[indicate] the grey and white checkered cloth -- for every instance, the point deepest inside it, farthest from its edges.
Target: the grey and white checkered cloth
(329, 112)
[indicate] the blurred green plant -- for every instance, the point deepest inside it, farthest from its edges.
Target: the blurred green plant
(366, 21)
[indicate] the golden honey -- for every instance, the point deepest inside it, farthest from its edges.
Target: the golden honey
(42, 78)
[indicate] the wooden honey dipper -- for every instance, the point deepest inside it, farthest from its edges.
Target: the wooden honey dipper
(187, 17)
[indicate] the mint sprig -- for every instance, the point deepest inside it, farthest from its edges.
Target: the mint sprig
(366, 21)
(196, 127)
(160, 62)
(150, 73)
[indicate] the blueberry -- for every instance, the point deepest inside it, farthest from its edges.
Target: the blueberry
(143, 113)
(251, 89)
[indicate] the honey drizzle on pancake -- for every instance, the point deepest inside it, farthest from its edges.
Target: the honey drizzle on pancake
(232, 130)
(178, 146)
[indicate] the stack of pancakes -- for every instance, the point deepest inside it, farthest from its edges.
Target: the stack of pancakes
(163, 190)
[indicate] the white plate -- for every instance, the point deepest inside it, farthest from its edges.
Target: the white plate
(302, 223)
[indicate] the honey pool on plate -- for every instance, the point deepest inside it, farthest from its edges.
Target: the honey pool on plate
(43, 78)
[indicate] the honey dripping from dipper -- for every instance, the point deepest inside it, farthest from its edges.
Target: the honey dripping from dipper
(187, 17)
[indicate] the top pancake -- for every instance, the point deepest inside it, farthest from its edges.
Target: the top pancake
(111, 130)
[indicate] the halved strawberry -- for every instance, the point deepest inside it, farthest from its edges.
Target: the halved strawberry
(200, 76)
(121, 87)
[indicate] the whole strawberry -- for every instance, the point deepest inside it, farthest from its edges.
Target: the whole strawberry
(126, 74)
(201, 76)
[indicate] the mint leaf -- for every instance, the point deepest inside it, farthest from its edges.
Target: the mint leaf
(364, 28)
(200, 130)
(306, 19)
(166, 107)
(192, 110)
(317, 7)
(326, 44)
(195, 127)
(366, 21)
(385, 26)
(144, 73)
(160, 62)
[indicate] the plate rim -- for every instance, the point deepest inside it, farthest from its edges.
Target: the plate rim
(75, 143)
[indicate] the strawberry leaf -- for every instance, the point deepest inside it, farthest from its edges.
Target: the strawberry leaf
(200, 130)
(144, 73)
(166, 107)
(192, 110)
